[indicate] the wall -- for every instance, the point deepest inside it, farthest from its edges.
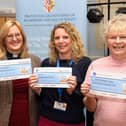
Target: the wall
(7, 7)
(95, 42)
(7, 3)
(95, 39)
(7, 10)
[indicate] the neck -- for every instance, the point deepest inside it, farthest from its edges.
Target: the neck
(13, 52)
(120, 58)
(65, 56)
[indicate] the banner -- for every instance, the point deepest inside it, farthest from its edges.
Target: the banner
(39, 16)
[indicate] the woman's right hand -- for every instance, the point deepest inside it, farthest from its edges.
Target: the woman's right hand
(89, 100)
(85, 87)
(33, 79)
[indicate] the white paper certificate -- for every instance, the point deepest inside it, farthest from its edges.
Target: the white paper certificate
(53, 76)
(108, 84)
(15, 69)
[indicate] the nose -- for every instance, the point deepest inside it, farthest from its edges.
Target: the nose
(117, 39)
(60, 39)
(14, 37)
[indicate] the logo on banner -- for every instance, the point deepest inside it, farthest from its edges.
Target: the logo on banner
(49, 5)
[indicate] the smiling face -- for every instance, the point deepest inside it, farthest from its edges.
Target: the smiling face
(14, 40)
(63, 43)
(115, 34)
(117, 44)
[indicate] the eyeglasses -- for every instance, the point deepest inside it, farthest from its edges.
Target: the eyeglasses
(121, 38)
(16, 35)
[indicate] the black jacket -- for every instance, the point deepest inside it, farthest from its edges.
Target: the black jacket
(74, 112)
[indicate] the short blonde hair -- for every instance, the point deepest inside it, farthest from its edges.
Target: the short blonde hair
(116, 24)
(3, 34)
(77, 43)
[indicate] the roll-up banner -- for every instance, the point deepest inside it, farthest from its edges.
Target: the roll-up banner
(39, 16)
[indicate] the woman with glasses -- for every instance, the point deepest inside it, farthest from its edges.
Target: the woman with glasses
(18, 105)
(64, 106)
(109, 108)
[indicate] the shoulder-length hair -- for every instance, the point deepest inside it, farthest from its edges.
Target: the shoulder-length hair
(77, 43)
(3, 34)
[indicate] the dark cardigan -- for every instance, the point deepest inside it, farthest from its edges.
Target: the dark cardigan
(74, 112)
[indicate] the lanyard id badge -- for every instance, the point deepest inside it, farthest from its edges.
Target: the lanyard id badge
(60, 105)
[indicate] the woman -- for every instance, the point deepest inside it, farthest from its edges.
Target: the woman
(109, 111)
(17, 101)
(66, 50)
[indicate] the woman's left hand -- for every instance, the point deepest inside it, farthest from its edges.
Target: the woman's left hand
(72, 81)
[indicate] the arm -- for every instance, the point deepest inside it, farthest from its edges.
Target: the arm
(90, 103)
(79, 71)
(32, 83)
(89, 100)
(72, 81)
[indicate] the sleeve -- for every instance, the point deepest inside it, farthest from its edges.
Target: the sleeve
(84, 70)
(87, 77)
(89, 118)
(79, 70)
(89, 115)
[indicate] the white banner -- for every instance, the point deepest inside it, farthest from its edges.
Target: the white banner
(38, 18)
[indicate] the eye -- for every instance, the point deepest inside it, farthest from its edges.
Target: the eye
(56, 38)
(65, 37)
(17, 34)
(112, 37)
(122, 37)
(10, 36)
(62, 37)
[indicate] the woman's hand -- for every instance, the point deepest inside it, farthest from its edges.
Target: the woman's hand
(33, 79)
(85, 87)
(89, 100)
(72, 81)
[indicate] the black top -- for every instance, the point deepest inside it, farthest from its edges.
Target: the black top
(11, 56)
(74, 112)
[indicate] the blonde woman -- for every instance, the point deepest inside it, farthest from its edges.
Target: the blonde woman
(109, 111)
(66, 50)
(17, 102)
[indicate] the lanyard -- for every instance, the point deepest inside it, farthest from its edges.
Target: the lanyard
(70, 63)
(60, 90)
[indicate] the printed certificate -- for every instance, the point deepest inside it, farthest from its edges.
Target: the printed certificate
(108, 84)
(15, 69)
(53, 76)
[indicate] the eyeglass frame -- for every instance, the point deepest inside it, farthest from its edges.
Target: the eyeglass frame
(16, 35)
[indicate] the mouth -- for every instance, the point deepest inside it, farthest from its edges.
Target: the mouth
(118, 46)
(15, 43)
(61, 47)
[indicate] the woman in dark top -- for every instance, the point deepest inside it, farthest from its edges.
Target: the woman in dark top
(66, 50)
(17, 101)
